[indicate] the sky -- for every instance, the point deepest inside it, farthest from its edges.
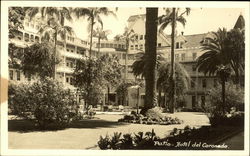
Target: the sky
(200, 20)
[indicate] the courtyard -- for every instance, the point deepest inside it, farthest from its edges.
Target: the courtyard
(85, 134)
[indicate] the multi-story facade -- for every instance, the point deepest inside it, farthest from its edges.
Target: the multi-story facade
(187, 50)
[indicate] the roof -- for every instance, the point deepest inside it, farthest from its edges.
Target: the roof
(194, 40)
(135, 17)
(240, 23)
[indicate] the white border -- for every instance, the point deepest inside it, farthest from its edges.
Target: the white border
(4, 73)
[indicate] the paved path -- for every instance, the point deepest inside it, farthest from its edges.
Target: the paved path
(85, 134)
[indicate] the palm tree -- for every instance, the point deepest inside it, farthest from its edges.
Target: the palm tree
(94, 17)
(182, 79)
(128, 36)
(236, 51)
(55, 17)
(101, 35)
(150, 54)
(138, 67)
(216, 60)
(172, 16)
(163, 69)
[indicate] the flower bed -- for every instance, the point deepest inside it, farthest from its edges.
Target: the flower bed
(149, 119)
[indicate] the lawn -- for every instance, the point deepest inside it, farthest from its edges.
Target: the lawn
(84, 134)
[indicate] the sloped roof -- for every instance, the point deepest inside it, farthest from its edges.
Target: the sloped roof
(240, 23)
(193, 40)
(135, 17)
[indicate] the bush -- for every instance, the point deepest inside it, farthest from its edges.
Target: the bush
(234, 97)
(153, 116)
(128, 141)
(45, 101)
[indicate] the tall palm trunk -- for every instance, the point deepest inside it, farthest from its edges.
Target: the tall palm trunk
(150, 51)
(172, 81)
(126, 61)
(159, 97)
(91, 37)
(108, 94)
(54, 72)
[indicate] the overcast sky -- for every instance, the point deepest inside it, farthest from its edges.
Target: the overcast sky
(200, 20)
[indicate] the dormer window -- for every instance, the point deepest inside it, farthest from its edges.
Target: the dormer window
(179, 45)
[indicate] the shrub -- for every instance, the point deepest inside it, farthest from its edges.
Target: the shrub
(45, 101)
(153, 116)
(234, 97)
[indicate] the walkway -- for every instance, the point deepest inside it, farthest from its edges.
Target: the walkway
(85, 134)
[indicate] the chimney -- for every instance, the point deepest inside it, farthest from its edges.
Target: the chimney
(182, 33)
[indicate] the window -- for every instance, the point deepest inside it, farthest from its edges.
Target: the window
(204, 83)
(177, 45)
(136, 47)
(67, 50)
(194, 56)
(159, 44)
(11, 74)
(192, 84)
(72, 50)
(181, 44)
(177, 57)
(18, 75)
(26, 37)
(141, 37)
(182, 57)
(36, 38)
(136, 37)
(141, 46)
(71, 81)
(102, 45)
(111, 45)
(67, 79)
(132, 47)
(32, 38)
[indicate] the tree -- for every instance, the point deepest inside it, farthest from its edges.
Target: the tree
(92, 76)
(236, 51)
(216, 59)
(101, 35)
(150, 54)
(111, 71)
(88, 79)
(94, 16)
(55, 23)
(182, 80)
(172, 17)
(138, 67)
(39, 58)
(15, 20)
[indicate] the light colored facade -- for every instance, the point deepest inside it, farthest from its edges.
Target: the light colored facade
(187, 50)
